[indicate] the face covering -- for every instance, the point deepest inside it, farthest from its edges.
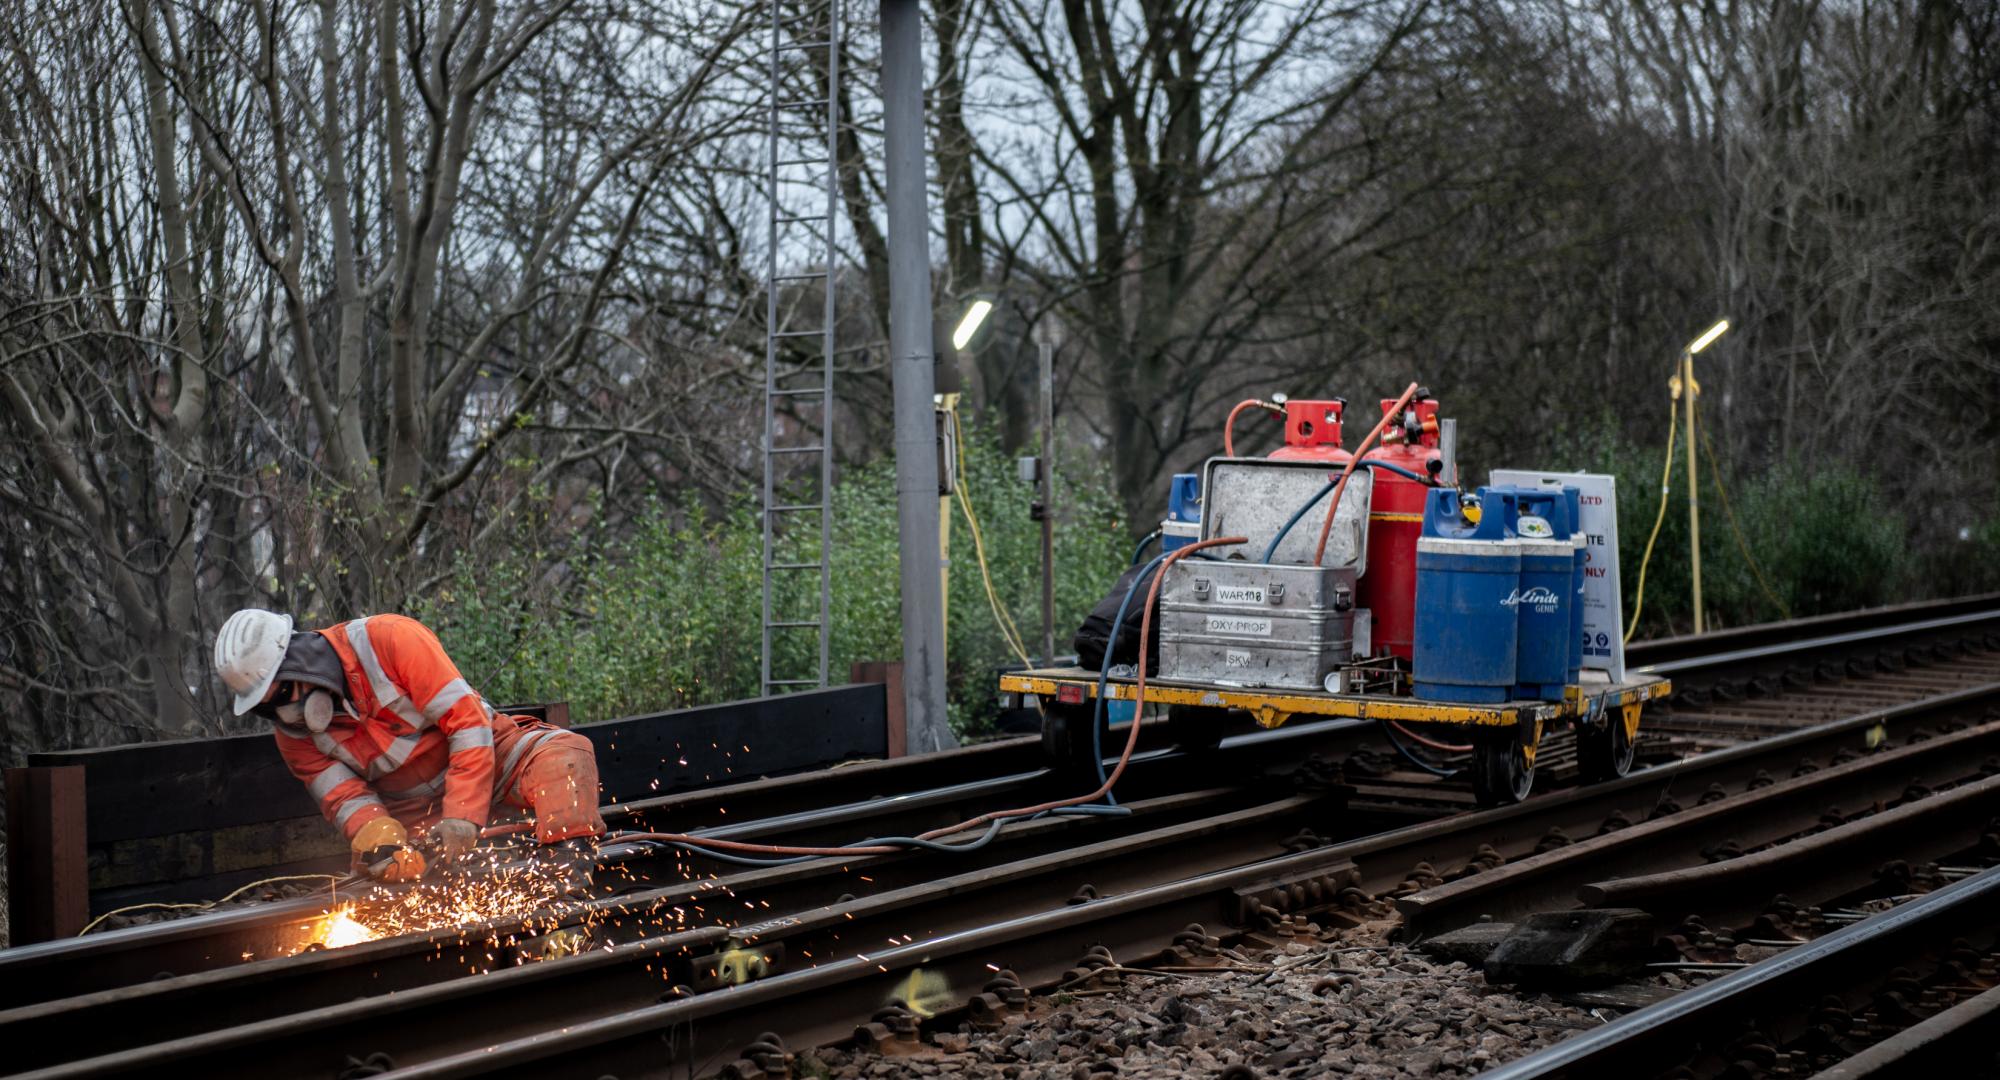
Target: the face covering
(311, 664)
(315, 712)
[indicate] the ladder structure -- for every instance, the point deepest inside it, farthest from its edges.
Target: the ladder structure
(803, 202)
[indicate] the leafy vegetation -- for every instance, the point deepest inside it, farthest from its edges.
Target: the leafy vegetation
(1790, 539)
(668, 617)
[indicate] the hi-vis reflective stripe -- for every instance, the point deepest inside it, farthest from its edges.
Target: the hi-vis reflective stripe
(353, 806)
(334, 750)
(422, 791)
(329, 778)
(521, 746)
(394, 757)
(387, 694)
(470, 738)
(378, 680)
(442, 701)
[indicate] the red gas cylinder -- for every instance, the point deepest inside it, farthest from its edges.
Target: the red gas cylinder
(1395, 520)
(1312, 433)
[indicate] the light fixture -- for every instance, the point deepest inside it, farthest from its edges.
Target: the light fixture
(1708, 337)
(1686, 388)
(975, 315)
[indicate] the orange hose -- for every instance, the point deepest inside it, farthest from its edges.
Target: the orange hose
(1229, 425)
(1326, 527)
(1138, 703)
(1449, 748)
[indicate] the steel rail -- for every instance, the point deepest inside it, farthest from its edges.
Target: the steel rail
(805, 1008)
(125, 1017)
(1558, 808)
(1762, 815)
(819, 1005)
(1382, 861)
(798, 805)
(72, 966)
(1802, 646)
(51, 971)
(419, 1024)
(1643, 654)
(1658, 1037)
(1810, 869)
(1958, 1040)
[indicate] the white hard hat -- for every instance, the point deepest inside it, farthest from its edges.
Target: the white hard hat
(247, 652)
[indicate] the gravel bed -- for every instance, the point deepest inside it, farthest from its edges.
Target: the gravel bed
(1307, 1010)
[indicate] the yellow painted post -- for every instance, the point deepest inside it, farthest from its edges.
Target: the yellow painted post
(945, 403)
(1694, 486)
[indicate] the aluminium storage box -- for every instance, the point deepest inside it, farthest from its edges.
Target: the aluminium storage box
(1255, 625)
(1283, 625)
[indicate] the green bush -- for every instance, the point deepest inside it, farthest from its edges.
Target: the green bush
(667, 616)
(1792, 540)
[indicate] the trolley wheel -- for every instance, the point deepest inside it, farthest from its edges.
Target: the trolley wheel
(1606, 752)
(1195, 728)
(1501, 771)
(1066, 738)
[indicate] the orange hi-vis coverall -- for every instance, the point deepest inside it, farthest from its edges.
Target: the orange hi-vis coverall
(420, 745)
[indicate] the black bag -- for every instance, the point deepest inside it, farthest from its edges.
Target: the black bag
(1094, 636)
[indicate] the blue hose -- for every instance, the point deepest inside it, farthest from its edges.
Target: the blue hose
(1398, 470)
(1143, 545)
(1294, 520)
(1408, 755)
(1097, 719)
(1314, 501)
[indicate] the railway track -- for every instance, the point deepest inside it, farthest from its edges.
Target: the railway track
(1894, 994)
(1263, 901)
(274, 933)
(1921, 676)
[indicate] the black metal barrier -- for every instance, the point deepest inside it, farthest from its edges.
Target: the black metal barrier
(191, 820)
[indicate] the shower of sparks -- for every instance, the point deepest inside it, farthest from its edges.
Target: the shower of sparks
(442, 902)
(340, 929)
(514, 910)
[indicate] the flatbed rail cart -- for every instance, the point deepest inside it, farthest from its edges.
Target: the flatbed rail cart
(1411, 603)
(1504, 736)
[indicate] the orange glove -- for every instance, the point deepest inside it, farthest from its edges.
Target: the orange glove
(382, 851)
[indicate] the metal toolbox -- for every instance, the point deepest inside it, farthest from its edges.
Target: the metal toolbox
(1239, 623)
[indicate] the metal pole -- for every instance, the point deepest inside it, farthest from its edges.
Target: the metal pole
(910, 371)
(1694, 486)
(1048, 395)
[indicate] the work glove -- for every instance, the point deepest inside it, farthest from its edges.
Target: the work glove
(382, 851)
(455, 838)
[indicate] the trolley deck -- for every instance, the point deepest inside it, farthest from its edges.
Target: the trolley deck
(1505, 736)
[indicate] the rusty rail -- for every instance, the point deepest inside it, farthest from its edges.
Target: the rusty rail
(1834, 976)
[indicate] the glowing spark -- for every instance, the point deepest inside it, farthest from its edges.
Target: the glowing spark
(342, 929)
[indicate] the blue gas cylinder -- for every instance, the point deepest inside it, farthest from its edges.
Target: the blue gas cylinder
(1183, 522)
(1184, 497)
(1466, 634)
(1574, 499)
(1545, 598)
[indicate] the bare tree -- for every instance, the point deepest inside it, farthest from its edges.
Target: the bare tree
(284, 279)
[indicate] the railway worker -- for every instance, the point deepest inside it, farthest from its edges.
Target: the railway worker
(376, 722)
